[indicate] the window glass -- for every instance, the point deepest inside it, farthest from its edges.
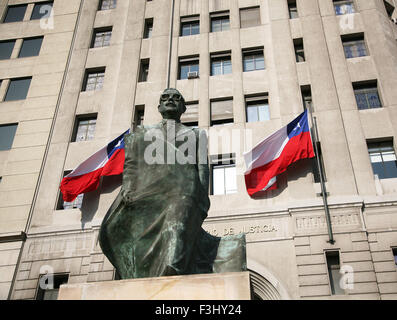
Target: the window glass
(18, 89)
(221, 66)
(258, 111)
(108, 4)
(253, 61)
(42, 10)
(220, 24)
(334, 274)
(85, 129)
(383, 159)
(31, 47)
(344, 7)
(293, 10)
(94, 80)
(15, 13)
(355, 48)
(6, 48)
(102, 38)
(186, 67)
(367, 97)
(148, 29)
(190, 28)
(7, 134)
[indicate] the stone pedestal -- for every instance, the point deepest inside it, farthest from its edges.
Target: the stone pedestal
(218, 286)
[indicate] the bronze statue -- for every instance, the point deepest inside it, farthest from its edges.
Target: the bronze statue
(153, 228)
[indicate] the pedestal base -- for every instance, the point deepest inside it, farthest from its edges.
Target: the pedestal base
(217, 286)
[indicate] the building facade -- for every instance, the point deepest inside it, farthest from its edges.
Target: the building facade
(75, 74)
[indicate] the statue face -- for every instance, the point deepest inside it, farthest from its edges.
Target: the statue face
(172, 104)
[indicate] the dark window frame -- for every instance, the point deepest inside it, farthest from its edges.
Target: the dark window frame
(380, 149)
(299, 50)
(148, 28)
(367, 88)
(88, 72)
(105, 31)
(255, 53)
(223, 17)
(355, 40)
(39, 5)
(10, 41)
(190, 62)
(78, 120)
(144, 68)
(8, 145)
(14, 6)
(9, 85)
(107, 5)
(339, 3)
(27, 39)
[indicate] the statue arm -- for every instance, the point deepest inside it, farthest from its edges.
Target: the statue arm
(202, 160)
(130, 168)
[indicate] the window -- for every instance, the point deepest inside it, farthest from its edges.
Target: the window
(220, 21)
(299, 50)
(139, 115)
(41, 10)
(190, 117)
(188, 68)
(223, 175)
(190, 26)
(334, 274)
(222, 111)
(6, 48)
(51, 291)
(253, 59)
(250, 17)
(221, 63)
(354, 46)
(18, 89)
(257, 109)
(344, 7)
(292, 9)
(15, 13)
(144, 70)
(84, 128)
(383, 159)
(389, 9)
(395, 255)
(31, 47)
(101, 37)
(94, 79)
(107, 4)
(147, 33)
(7, 134)
(307, 99)
(367, 96)
(76, 204)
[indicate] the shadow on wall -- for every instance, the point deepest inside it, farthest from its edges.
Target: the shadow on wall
(91, 199)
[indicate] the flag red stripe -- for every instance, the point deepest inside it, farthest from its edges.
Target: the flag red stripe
(299, 147)
(73, 186)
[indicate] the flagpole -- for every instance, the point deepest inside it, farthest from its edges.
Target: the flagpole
(324, 193)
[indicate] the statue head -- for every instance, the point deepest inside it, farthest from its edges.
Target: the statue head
(172, 104)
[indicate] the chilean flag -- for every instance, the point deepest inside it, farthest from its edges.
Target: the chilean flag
(108, 161)
(273, 155)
